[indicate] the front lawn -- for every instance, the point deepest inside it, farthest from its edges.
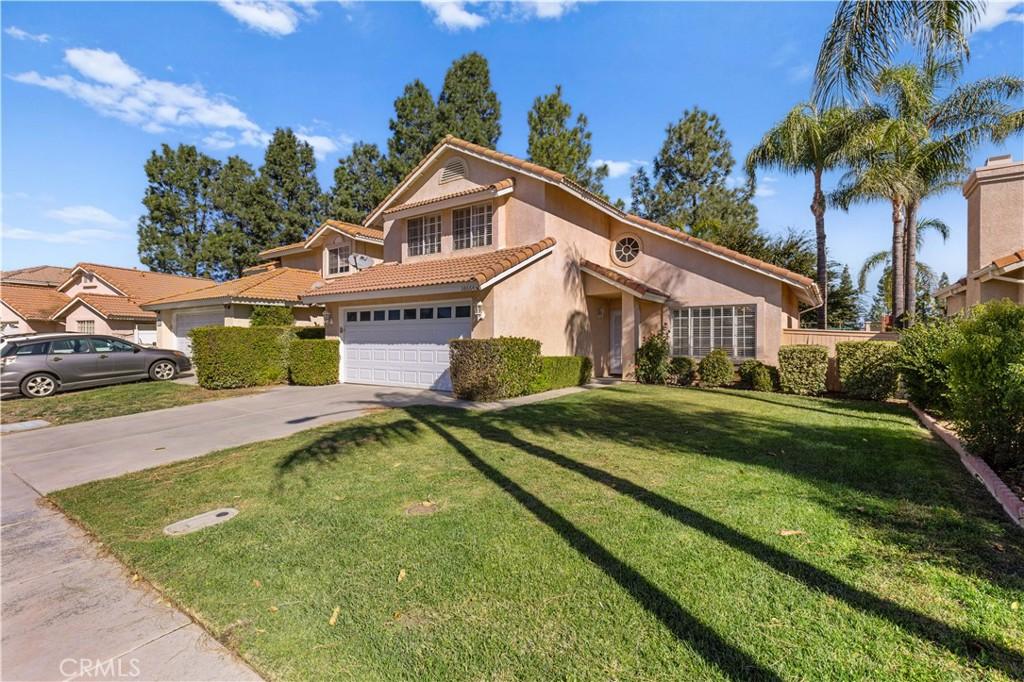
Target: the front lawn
(109, 401)
(623, 533)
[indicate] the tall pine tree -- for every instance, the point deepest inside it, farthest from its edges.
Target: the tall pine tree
(414, 130)
(360, 183)
(289, 172)
(553, 144)
(467, 106)
(180, 211)
(244, 224)
(641, 194)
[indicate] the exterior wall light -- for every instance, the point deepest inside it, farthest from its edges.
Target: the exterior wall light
(480, 311)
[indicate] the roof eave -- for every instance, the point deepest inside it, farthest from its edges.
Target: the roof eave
(467, 286)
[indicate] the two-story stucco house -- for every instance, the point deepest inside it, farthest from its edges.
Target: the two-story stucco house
(995, 237)
(285, 273)
(480, 244)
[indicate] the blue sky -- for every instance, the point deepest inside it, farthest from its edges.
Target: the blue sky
(89, 89)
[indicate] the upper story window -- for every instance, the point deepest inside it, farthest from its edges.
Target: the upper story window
(424, 235)
(337, 260)
(471, 226)
(87, 326)
(626, 250)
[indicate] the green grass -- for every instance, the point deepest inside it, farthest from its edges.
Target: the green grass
(109, 401)
(627, 533)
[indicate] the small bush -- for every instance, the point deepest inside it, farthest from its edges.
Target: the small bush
(236, 357)
(682, 370)
(756, 375)
(652, 359)
(986, 383)
(271, 316)
(868, 369)
(924, 362)
(561, 371)
(494, 369)
(802, 369)
(313, 362)
(715, 369)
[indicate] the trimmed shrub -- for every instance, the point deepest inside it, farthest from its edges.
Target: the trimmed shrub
(868, 369)
(756, 376)
(493, 369)
(271, 316)
(802, 369)
(716, 369)
(682, 370)
(924, 362)
(986, 383)
(236, 357)
(309, 332)
(313, 362)
(561, 372)
(652, 359)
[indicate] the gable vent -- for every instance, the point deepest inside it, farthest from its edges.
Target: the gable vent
(453, 170)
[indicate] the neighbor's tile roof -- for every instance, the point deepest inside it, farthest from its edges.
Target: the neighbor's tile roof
(116, 307)
(561, 179)
(143, 286)
(32, 302)
(1010, 259)
(47, 275)
(507, 183)
(628, 282)
(356, 230)
(475, 269)
(267, 253)
(283, 285)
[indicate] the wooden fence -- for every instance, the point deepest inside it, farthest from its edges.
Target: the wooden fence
(829, 338)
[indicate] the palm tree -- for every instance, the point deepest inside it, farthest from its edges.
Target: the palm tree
(811, 140)
(923, 275)
(865, 36)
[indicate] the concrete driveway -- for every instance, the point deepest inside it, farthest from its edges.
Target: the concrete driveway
(70, 612)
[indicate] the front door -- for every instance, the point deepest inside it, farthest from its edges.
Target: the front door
(615, 342)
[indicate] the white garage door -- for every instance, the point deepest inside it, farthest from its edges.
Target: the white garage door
(403, 346)
(186, 322)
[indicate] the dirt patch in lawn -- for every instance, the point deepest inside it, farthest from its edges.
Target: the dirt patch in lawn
(425, 508)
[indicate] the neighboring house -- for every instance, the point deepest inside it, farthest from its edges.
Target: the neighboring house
(37, 275)
(480, 244)
(28, 308)
(284, 275)
(104, 299)
(995, 237)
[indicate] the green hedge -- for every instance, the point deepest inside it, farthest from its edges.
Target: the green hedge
(716, 369)
(561, 371)
(924, 362)
(271, 316)
(236, 357)
(802, 369)
(313, 362)
(757, 376)
(868, 369)
(986, 383)
(493, 369)
(309, 332)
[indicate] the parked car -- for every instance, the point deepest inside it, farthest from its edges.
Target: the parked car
(42, 364)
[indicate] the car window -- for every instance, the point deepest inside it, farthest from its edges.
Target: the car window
(32, 348)
(111, 346)
(64, 346)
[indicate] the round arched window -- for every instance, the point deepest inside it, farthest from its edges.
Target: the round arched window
(627, 249)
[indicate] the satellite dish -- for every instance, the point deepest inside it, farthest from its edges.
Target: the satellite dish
(360, 261)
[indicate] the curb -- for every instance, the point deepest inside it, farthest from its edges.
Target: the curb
(1011, 504)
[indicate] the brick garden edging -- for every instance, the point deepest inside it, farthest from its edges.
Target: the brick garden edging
(1011, 504)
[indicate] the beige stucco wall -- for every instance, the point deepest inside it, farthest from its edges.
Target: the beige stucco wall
(14, 324)
(995, 211)
(81, 312)
(87, 284)
(315, 258)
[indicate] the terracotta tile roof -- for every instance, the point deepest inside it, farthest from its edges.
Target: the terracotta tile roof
(32, 302)
(1015, 257)
(280, 285)
(143, 286)
(116, 307)
(635, 285)
(44, 275)
(507, 183)
(473, 270)
(268, 253)
(559, 179)
(352, 230)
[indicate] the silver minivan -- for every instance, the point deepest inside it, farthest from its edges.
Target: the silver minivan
(40, 365)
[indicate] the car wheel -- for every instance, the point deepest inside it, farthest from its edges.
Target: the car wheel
(39, 385)
(162, 370)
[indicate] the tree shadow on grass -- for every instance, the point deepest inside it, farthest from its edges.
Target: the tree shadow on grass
(335, 444)
(732, 661)
(960, 642)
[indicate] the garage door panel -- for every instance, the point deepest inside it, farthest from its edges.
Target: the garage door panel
(186, 322)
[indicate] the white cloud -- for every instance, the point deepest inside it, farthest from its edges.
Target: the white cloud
(273, 17)
(616, 169)
(86, 236)
(453, 15)
(323, 145)
(220, 140)
(77, 215)
(764, 186)
(19, 34)
(456, 15)
(113, 88)
(997, 13)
